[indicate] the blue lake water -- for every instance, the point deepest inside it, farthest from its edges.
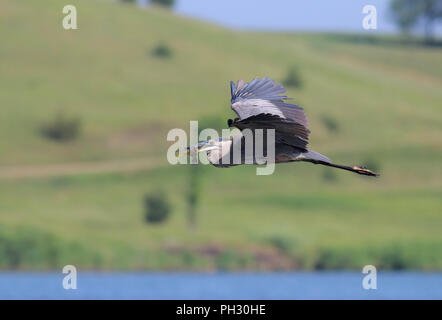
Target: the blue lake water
(278, 285)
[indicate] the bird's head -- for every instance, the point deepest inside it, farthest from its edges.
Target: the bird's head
(208, 145)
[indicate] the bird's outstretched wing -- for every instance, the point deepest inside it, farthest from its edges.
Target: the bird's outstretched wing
(260, 105)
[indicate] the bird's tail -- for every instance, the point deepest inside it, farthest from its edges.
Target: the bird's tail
(317, 158)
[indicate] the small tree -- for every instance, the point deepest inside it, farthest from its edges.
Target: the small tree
(404, 13)
(162, 51)
(293, 79)
(329, 175)
(407, 13)
(62, 128)
(196, 172)
(330, 123)
(157, 208)
(164, 3)
(193, 194)
(431, 12)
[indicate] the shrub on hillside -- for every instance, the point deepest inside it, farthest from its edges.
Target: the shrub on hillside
(162, 51)
(330, 123)
(28, 248)
(329, 175)
(157, 208)
(62, 128)
(164, 3)
(293, 79)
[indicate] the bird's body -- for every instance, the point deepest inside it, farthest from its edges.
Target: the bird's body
(223, 155)
(260, 106)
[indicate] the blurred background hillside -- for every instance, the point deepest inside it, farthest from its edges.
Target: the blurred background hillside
(84, 116)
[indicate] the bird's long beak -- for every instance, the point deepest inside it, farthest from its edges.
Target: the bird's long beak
(200, 147)
(205, 146)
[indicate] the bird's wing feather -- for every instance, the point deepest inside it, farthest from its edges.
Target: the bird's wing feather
(260, 104)
(286, 131)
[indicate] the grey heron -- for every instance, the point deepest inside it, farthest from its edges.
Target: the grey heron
(260, 104)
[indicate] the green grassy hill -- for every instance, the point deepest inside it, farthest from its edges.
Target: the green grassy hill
(385, 97)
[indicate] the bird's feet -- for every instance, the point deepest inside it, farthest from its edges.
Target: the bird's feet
(365, 171)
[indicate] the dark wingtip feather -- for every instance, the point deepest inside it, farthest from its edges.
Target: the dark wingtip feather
(232, 88)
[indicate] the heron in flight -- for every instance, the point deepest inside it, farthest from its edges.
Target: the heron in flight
(260, 104)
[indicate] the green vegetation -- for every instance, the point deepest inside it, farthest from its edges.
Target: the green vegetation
(62, 128)
(329, 174)
(164, 3)
(293, 79)
(157, 208)
(386, 95)
(408, 14)
(193, 194)
(162, 51)
(330, 123)
(26, 248)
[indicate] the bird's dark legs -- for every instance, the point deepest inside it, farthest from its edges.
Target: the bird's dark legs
(355, 169)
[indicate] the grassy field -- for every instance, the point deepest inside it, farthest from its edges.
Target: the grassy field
(385, 96)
